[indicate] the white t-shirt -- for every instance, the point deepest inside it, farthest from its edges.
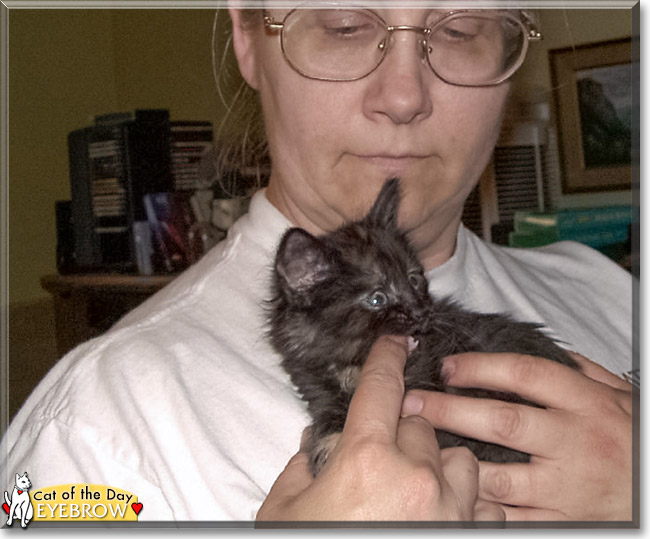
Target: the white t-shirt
(184, 404)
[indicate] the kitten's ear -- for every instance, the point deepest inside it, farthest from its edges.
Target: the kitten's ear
(384, 211)
(302, 260)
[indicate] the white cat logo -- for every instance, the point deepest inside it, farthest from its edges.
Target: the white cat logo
(20, 505)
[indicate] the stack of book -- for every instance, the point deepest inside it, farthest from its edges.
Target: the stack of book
(600, 228)
(189, 142)
(114, 164)
(99, 214)
(108, 193)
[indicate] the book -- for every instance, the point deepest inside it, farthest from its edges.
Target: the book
(532, 221)
(146, 158)
(100, 223)
(114, 163)
(170, 218)
(189, 141)
(608, 216)
(531, 238)
(606, 229)
(603, 218)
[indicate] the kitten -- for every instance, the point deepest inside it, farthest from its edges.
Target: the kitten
(335, 294)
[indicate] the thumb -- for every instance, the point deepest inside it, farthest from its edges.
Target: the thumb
(294, 479)
(460, 469)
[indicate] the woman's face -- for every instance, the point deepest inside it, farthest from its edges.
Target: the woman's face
(333, 144)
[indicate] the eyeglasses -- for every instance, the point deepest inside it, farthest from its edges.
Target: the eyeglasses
(332, 42)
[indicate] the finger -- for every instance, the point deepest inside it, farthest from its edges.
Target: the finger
(525, 428)
(488, 511)
(293, 480)
(522, 514)
(515, 484)
(539, 380)
(417, 439)
(600, 373)
(460, 468)
(375, 406)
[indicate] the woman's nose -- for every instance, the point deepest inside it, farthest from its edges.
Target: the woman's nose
(400, 86)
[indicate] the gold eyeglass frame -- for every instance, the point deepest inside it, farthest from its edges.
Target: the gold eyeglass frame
(524, 21)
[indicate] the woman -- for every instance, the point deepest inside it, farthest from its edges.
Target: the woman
(334, 143)
(184, 404)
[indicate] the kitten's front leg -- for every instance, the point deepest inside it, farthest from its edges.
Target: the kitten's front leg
(323, 436)
(319, 450)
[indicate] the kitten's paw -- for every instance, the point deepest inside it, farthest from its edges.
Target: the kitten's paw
(320, 452)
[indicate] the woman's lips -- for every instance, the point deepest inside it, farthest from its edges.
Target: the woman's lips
(391, 163)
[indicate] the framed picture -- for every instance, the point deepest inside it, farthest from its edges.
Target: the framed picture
(595, 111)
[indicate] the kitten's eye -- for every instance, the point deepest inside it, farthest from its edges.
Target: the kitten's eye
(417, 281)
(377, 299)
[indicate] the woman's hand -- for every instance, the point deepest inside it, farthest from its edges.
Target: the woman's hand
(581, 445)
(383, 467)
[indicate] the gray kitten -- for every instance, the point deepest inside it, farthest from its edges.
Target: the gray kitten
(335, 294)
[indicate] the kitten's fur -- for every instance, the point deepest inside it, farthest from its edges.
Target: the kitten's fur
(334, 295)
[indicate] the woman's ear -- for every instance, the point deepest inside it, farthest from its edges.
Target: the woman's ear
(243, 42)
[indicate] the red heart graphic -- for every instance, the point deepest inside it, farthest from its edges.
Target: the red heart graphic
(6, 507)
(137, 507)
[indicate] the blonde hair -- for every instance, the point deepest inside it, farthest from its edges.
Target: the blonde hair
(241, 148)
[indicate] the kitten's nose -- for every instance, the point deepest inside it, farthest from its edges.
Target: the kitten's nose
(420, 314)
(407, 319)
(418, 306)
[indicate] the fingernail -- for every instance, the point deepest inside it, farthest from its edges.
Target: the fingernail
(412, 405)
(448, 368)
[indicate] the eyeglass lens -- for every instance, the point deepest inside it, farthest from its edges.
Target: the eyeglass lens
(346, 44)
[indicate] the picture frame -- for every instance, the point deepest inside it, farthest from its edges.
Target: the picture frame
(595, 114)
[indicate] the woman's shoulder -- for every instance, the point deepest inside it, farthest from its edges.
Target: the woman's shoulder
(582, 296)
(563, 261)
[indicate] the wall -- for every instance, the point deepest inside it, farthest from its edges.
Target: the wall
(163, 60)
(65, 66)
(60, 73)
(563, 28)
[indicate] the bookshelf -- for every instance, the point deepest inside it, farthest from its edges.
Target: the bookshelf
(86, 305)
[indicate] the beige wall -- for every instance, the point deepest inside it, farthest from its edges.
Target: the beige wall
(562, 29)
(60, 74)
(65, 66)
(567, 28)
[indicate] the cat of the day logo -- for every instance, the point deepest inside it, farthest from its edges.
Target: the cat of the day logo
(69, 503)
